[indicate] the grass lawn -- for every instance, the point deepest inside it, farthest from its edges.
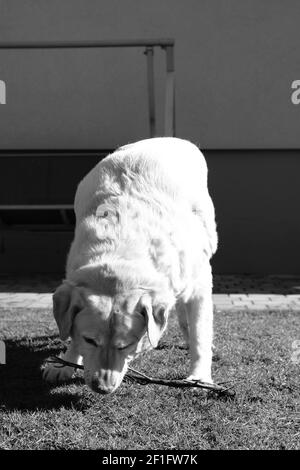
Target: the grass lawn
(254, 347)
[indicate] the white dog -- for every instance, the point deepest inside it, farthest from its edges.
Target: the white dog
(145, 233)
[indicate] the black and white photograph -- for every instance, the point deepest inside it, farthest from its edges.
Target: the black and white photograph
(149, 228)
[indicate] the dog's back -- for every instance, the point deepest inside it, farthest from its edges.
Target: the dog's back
(161, 186)
(166, 165)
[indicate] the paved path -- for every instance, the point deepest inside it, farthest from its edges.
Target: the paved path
(230, 292)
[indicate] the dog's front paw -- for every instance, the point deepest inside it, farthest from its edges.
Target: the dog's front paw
(200, 378)
(57, 374)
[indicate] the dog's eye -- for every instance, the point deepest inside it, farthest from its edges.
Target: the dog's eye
(121, 347)
(90, 341)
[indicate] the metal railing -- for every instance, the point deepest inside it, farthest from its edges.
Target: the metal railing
(149, 45)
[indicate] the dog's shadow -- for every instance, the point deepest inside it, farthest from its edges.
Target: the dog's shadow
(21, 383)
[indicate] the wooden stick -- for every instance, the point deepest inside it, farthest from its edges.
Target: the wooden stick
(133, 375)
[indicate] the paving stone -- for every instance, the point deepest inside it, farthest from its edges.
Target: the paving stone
(277, 297)
(238, 296)
(259, 307)
(223, 301)
(230, 291)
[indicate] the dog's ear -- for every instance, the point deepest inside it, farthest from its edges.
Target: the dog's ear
(156, 319)
(66, 303)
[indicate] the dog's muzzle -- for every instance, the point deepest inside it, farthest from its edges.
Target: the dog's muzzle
(105, 381)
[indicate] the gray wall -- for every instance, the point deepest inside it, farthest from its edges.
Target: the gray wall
(235, 63)
(256, 195)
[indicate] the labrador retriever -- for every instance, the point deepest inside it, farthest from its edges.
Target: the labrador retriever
(145, 233)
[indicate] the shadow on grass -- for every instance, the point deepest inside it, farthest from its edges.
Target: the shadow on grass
(21, 384)
(22, 387)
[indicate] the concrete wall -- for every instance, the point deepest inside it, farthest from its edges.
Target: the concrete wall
(235, 65)
(256, 195)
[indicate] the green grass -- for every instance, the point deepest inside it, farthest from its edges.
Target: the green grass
(254, 347)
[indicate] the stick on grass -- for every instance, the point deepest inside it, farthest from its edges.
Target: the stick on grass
(133, 375)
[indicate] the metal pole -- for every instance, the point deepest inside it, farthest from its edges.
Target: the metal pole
(170, 92)
(167, 44)
(149, 52)
(20, 207)
(86, 44)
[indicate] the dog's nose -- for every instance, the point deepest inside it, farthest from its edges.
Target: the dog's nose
(102, 389)
(103, 384)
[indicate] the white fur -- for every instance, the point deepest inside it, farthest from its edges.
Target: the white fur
(144, 213)
(164, 182)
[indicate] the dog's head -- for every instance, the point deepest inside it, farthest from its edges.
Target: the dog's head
(109, 329)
